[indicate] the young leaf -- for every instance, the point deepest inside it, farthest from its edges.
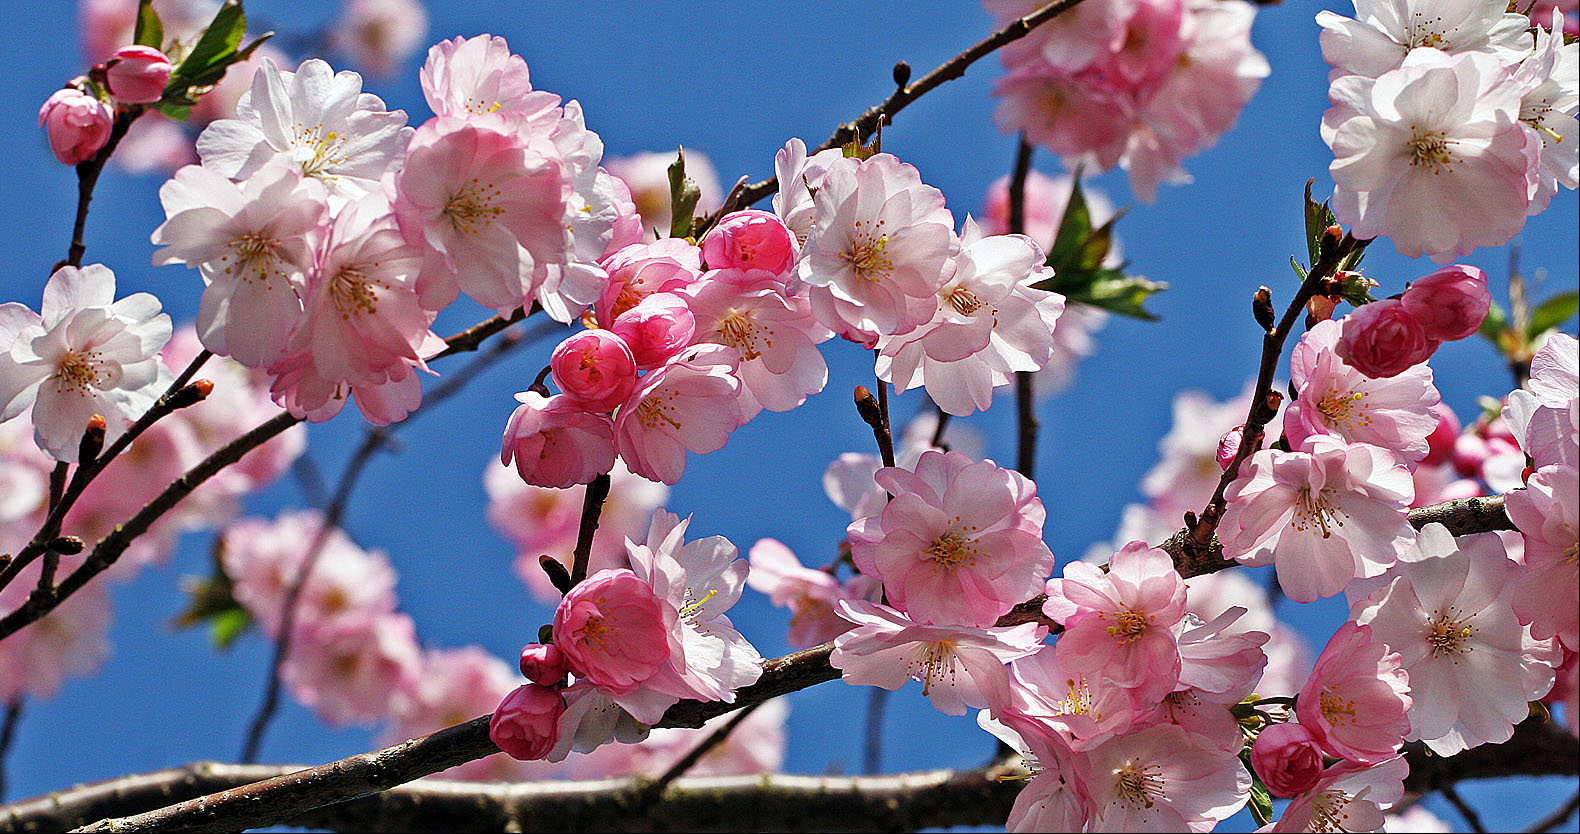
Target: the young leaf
(1261, 803)
(148, 31)
(683, 197)
(229, 625)
(219, 40)
(1552, 312)
(1494, 324)
(1074, 230)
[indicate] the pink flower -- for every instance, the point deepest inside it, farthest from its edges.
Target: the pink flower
(1193, 452)
(1441, 130)
(1121, 623)
(263, 560)
(1448, 610)
(1323, 516)
(556, 442)
(696, 583)
(1083, 709)
(880, 247)
(526, 723)
(543, 664)
(1440, 443)
(774, 337)
(137, 74)
(1341, 401)
(750, 239)
(1547, 593)
(641, 269)
(961, 543)
(1450, 303)
(1356, 702)
(1386, 32)
(958, 666)
(1287, 758)
(595, 369)
(486, 207)
(379, 35)
(1354, 793)
(656, 328)
(1057, 798)
(1163, 779)
(456, 686)
(353, 669)
(1384, 339)
(809, 594)
(611, 629)
(71, 641)
(470, 77)
(689, 404)
(78, 124)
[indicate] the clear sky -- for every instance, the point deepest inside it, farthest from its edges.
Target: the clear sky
(734, 80)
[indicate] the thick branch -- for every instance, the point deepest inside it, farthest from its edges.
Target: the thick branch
(812, 803)
(864, 125)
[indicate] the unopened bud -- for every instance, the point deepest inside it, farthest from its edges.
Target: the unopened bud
(543, 664)
(1330, 240)
(867, 406)
(1262, 307)
(902, 74)
(92, 439)
(192, 394)
(137, 74)
(66, 545)
(559, 577)
(1229, 446)
(1320, 308)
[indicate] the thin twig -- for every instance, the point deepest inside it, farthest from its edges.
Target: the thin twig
(1472, 818)
(654, 791)
(592, 507)
(13, 715)
(88, 172)
(940, 425)
(1556, 818)
(1025, 397)
(864, 125)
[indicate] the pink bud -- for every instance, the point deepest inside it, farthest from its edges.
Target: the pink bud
(611, 629)
(78, 124)
(1382, 339)
(137, 74)
(750, 239)
(526, 723)
(1440, 442)
(1450, 303)
(656, 328)
(1229, 446)
(1287, 758)
(543, 664)
(557, 443)
(595, 368)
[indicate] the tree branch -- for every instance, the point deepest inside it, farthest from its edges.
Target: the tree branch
(778, 802)
(864, 125)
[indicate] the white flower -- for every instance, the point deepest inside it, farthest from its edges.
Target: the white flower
(1448, 610)
(1386, 32)
(317, 119)
(87, 354)
(1548, 82)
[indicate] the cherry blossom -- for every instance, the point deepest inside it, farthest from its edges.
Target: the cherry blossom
(1340, 401)
(250, 241)
(595, 369)
(526, 724)
(750, 239)
(1448, 610)
(1121, 623)
(466, 77)
(611, 629)
(774, 337)
(137, 74)
(879, 248)
(556, 442)
(1450, 303)
(84, 354)
(959, 666)
(1385, 33)
(1348, 797)
(1441, 130)
(690, 404)
(350, 669)
(1163, 779)
(455, 686)
(1057, 797)
(379, 35)
(809, 594)
(658, 327)
(1543, 418)
(641, 269)
(1549, 82)
(71, 642)
(1355, 702)
(263, 560)
(317, 120)
(1287, 758)
(1547, 593)
(77, 124)
(960, 543)
(1383, 339)
(1324, 516)
(1084, 709)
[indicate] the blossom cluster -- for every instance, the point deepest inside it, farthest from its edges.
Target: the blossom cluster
(1141, 84)
(1439, 103)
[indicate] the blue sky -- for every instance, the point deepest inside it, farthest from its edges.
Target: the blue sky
(734, 80)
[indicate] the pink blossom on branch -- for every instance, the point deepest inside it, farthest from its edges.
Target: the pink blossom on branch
(556, 442)
(611, 630)
(961, 543)
(1344, 402)
(526, 724)
(137, 74)
(595, 369)
(809, 594)
(774, 337)
(1356, 701)
(1287, 758)
(77, 124)
(689, 404)
(1547, 593)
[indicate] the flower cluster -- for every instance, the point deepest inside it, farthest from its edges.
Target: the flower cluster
(1436, 103)
(1141, 84)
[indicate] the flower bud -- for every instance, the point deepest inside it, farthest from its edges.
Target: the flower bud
(1288, 759)
(1450, 303)
(656, 328)
(1382, 339)
(526, 723)
(543, 664)
(595, 368)
(556, 443)
(1229, 446)
(78, 124)
(137, 74)
(1440, 442)
(750, 239)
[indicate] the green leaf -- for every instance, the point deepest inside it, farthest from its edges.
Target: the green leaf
(148, 31)
(683, 197)
(179, 112)
(1494, 324)
(1552, 312)
(1318, 219)
(1074, 230)
(1261, 803)
(1298, 269)
(1108, 289)
(219, 40)
(228, 626)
